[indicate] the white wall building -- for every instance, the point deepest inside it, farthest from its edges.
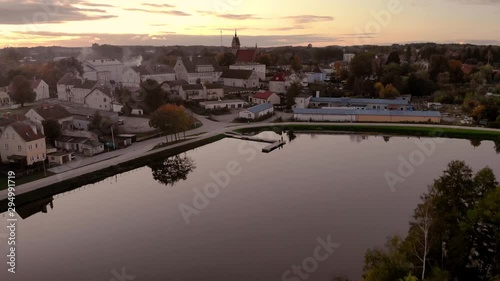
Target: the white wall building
(240, 78)
(100, 98)
(197, 69)
(260, 69)
(41, 89)
(257, 111)
(103, 70)
(231, 104)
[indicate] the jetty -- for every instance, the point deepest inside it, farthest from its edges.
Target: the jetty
(273, 144)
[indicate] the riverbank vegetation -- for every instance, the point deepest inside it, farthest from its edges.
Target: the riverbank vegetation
(454, 234)
(459, 133)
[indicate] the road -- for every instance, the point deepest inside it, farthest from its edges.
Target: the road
(209, 129)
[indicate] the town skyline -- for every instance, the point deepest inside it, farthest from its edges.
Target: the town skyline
(79, 23)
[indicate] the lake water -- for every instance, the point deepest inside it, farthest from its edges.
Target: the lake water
(271, 216)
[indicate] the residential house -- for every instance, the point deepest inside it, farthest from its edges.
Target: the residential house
(4, 97)
(81, 145)
(22, 143)
(132, 76)
(299, 78)
(302, 100)
(231, 104)
(279, 84)
(257, 111)
(192, 92)
(240, 78)
(197, 69)
(104, 71)
(100, 98)
(72, 88)
(214, 91)
(41, 89)
(51, 111)
(317, 75)
(175, 85)
(265, 97)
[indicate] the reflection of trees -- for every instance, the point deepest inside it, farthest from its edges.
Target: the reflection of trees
(387, 138)
(358, 138)
(475, 143)
(497, 146)
(291, 135)
(172, 169)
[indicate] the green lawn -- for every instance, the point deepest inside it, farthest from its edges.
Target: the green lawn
(26, 179)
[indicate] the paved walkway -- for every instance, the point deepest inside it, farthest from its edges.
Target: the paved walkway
(209, 129)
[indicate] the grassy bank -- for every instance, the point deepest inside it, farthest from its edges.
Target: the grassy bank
(100, 175)
(459, 133)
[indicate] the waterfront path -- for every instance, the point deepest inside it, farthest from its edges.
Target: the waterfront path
(209, 129)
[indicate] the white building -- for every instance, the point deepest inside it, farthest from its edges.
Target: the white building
(22, 143)
(132, 76)
(100, 98)
(257, 111)
(4, 97)
(265, 97)
(197, 70)
(348, 57)
(201, 92)
(72, 88)
(231, 104)
(240, 78)
(50, 111)
(103, 71)
(302, 101)
(41, 89)
(260, 69)
(279, 84)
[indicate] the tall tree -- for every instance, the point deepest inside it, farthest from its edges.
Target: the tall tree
(21, 91)
(153, 94)
(292, 92)
(393, 58)
(361, 65)
(171, 119)
(51, 129)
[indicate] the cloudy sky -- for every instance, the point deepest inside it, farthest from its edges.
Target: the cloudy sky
(268, 23)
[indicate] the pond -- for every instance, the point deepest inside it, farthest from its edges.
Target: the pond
(227, 211)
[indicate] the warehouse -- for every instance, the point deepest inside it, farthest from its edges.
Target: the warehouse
(355, 115)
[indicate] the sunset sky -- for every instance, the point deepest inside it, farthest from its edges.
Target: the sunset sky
(80, 23)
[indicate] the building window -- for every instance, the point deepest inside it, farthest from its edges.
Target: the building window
(104, 99)
(6, 146)
(30, 147)
(36, 145)
(19, 148)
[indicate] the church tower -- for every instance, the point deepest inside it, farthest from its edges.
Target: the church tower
(235, 45)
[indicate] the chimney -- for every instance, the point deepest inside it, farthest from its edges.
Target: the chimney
(317, 94)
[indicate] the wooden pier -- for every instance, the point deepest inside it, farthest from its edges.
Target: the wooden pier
(273, 144)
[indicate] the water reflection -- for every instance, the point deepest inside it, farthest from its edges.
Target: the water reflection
(475, 143)
(387, 138)
(291, 135)
(172, 169)
(35, 207)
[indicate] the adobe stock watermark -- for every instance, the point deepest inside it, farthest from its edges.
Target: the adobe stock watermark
(311, 264)
(380, 19)
(219, 180)
(426, 147)
(121, 276)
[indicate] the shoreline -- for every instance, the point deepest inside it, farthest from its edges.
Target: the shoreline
(93, 173)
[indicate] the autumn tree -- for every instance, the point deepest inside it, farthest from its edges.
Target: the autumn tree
(171, 119)
(386, 92)
(296, 65)
(393, 58)
(21, 91)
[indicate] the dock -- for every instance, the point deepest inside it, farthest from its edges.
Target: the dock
(273, 144)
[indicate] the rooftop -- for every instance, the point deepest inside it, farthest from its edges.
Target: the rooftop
(52, 111)
(353, 101)
(25, 131)
(312, 111)
(222, 102)
(263, 95)
(247, 55)
(236, 74)
(260, 107)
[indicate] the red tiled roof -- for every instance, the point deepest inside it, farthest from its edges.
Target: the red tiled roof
(247, 55)
(279, 77)
(24, 131)
(263, 95)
